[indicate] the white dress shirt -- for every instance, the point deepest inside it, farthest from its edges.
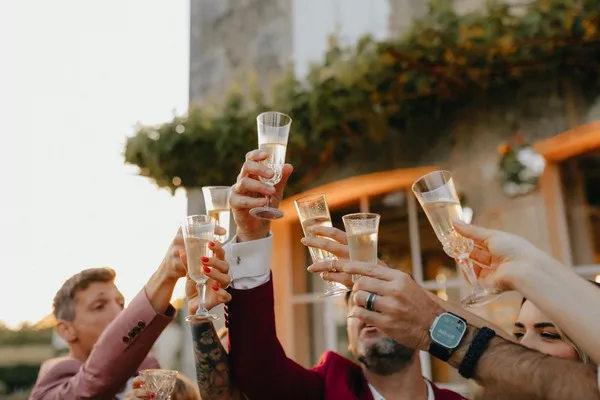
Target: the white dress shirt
(249, 262)
(378, 396)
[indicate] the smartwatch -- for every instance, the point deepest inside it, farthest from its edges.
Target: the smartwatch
(446, 333)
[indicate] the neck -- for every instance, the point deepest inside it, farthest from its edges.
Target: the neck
(77, 353)
(407, 383)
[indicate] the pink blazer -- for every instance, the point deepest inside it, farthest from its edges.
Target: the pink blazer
(121, 351)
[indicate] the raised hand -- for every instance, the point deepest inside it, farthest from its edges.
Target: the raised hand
(334, 241)
(249, 192)
(502, 259)
(217, 271)
(401, 308)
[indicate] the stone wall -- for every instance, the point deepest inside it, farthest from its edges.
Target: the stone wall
(230, 38)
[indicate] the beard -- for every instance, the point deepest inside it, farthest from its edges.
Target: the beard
(386, 357)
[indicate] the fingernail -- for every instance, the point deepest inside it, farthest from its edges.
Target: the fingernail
(206, 269)
(215, 288)
(262, 154)
(303, 241)
(204, 259)
(181, 252)
(310, 268)
(211, 244)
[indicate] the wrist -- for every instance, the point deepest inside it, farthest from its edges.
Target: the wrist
(159, 289)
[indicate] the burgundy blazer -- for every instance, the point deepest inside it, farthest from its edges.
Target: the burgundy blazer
(120, 352)
(262, 371)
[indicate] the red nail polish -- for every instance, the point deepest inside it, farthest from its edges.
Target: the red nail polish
(204, 259)
(211, 244)
(215, 288)
(206, 269)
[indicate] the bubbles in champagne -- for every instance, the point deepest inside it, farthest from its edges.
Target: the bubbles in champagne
(317, 254)
(222, 218)
(363, 246)
(441, 213)
(196, 247)
(275, 161)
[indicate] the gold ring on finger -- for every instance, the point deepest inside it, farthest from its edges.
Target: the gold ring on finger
(333, 266)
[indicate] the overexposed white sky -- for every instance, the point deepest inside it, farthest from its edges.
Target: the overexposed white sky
(75, 76)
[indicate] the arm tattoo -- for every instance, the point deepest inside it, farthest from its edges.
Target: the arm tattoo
(509, 370)
(212, 365)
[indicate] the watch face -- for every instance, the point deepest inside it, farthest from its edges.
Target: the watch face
(448, 330)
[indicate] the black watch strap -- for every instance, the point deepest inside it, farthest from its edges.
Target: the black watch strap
(439, 352)
(478, 346)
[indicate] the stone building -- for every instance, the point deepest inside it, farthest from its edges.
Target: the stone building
(560, 118)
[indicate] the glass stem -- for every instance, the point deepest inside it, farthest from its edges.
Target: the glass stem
(467, 267)
(268, 202)
(202, 289)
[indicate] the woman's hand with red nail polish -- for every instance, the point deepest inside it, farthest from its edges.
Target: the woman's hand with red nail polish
(217, 271)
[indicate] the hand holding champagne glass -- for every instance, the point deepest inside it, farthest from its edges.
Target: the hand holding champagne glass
(216, 203)
(313, 211)
(437, 195)
(198, 232)
(362, 230)
(273, 132)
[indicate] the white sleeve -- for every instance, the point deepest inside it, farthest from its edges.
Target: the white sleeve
(249, 262)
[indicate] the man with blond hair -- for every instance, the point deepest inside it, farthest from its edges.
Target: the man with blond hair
(108, 344)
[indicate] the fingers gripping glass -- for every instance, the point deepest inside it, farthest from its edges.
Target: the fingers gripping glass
(313, 211)
(273, 132)
(362, 230)
(161, 382)
(437, 195)
(216, 203)
(198, 232)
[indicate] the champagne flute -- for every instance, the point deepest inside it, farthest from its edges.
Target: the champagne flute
(313, 211)
(159, 381)
(273, 132)
(362, 230)
(198, 231)
(437, 195)
(216, 202)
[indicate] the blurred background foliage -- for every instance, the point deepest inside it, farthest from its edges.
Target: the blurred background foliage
(358, 96)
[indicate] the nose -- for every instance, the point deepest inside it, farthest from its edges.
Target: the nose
(530, 341)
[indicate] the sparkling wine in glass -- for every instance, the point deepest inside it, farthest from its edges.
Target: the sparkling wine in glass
(437, 195)
(216, 202)
(198, 232)
(362, 230)
(159, 381)
(313, 211)
(273, 132)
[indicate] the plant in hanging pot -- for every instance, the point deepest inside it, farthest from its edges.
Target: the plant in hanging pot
(520, 168)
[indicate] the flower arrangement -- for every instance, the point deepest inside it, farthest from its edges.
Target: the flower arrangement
(520, 168)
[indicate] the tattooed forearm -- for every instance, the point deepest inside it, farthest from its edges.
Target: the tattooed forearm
(212, 365)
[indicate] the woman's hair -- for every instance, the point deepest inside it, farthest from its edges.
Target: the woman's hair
(582, 356)
(185, 389)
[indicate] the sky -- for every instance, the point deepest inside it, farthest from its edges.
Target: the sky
(75, 78)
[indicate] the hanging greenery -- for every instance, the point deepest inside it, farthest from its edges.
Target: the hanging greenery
(357, 95)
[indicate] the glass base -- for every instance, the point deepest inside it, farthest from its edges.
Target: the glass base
(267, 213)
(480, 297)
(201, 316)
(334, 291)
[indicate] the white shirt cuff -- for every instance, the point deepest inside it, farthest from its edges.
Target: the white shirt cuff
(249, 262)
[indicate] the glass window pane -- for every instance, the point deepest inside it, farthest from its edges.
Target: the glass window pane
(581, 189)
(394, 240)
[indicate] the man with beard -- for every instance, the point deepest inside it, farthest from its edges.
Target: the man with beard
(258, 362)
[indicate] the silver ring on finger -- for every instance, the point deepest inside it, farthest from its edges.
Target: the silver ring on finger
(370, 303)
